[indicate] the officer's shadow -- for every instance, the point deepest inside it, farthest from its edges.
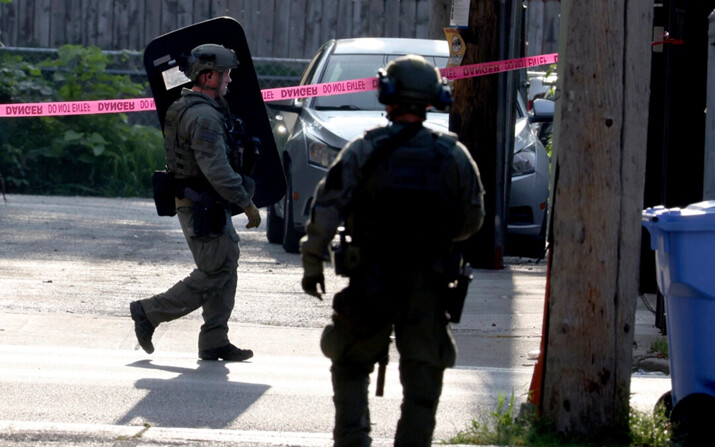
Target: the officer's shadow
(197, 398)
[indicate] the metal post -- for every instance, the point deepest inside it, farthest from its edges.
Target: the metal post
(709, 170)
(509, 48)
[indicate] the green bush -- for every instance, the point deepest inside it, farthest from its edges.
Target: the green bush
(102, 155)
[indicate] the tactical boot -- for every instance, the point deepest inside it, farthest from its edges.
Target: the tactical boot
(142, 326)
(228, 353)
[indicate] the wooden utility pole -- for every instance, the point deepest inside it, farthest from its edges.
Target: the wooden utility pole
(473, 117)
(597, 199)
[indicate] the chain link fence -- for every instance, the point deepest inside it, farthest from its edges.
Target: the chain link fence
(271, 72)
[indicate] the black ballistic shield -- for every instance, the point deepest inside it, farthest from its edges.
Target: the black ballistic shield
(164, 55)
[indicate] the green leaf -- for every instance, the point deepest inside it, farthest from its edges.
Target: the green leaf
(98, 149)
(98, 143)
(73, 136)
(97, 138)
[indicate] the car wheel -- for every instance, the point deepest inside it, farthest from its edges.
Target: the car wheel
(291, 238)
(274, 226)
(528, 246)
(536, 248)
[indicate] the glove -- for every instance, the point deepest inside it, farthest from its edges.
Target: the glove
(310, 285)
(254, 217)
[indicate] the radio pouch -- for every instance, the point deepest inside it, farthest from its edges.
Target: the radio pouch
(163, 185)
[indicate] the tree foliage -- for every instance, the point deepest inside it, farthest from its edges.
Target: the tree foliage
(104, 155)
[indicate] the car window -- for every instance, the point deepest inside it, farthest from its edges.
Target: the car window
(309, 72)
(344, 67)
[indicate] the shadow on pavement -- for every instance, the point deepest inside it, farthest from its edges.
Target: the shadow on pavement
(204, 397)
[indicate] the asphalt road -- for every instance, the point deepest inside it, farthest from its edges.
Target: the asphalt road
(92, 256)
(72, 374)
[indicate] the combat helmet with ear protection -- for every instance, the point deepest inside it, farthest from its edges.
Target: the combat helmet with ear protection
(209, 57)
(414, 82)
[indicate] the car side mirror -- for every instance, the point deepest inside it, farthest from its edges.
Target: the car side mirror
(286, 105)
(542, 111)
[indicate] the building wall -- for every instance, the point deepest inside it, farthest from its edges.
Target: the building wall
(274, 28)
(542, 23)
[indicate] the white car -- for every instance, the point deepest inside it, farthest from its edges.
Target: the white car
(315, 129)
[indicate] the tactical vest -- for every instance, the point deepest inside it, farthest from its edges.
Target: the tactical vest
(179, 157)
(403, 210)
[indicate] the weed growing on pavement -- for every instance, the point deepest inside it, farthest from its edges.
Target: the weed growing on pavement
(503, 427)
(137, 435)
(650, 430)
(660, 347)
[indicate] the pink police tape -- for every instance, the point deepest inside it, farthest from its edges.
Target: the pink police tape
(273, 94)
(367, 84)
(76, 107)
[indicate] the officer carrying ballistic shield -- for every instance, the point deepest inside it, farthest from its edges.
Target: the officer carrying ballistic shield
(207, 189)
(403, 196)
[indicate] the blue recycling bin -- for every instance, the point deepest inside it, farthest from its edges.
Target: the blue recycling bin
(684, 245)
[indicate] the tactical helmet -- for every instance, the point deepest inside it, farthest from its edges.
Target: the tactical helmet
(412, 81)
(209, 57)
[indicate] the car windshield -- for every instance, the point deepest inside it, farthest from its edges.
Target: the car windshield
(345, 67)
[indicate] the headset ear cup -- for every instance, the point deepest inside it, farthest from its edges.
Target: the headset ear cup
(443, 98)
(386, 89)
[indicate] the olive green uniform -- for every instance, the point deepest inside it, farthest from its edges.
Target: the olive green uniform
(398, 286)
(196, 150)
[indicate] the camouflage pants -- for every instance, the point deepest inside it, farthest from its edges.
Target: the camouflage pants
(211, 286)
(426, 348)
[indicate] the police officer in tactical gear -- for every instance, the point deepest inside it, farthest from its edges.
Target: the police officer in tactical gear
(197, 153)
(406, 195)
